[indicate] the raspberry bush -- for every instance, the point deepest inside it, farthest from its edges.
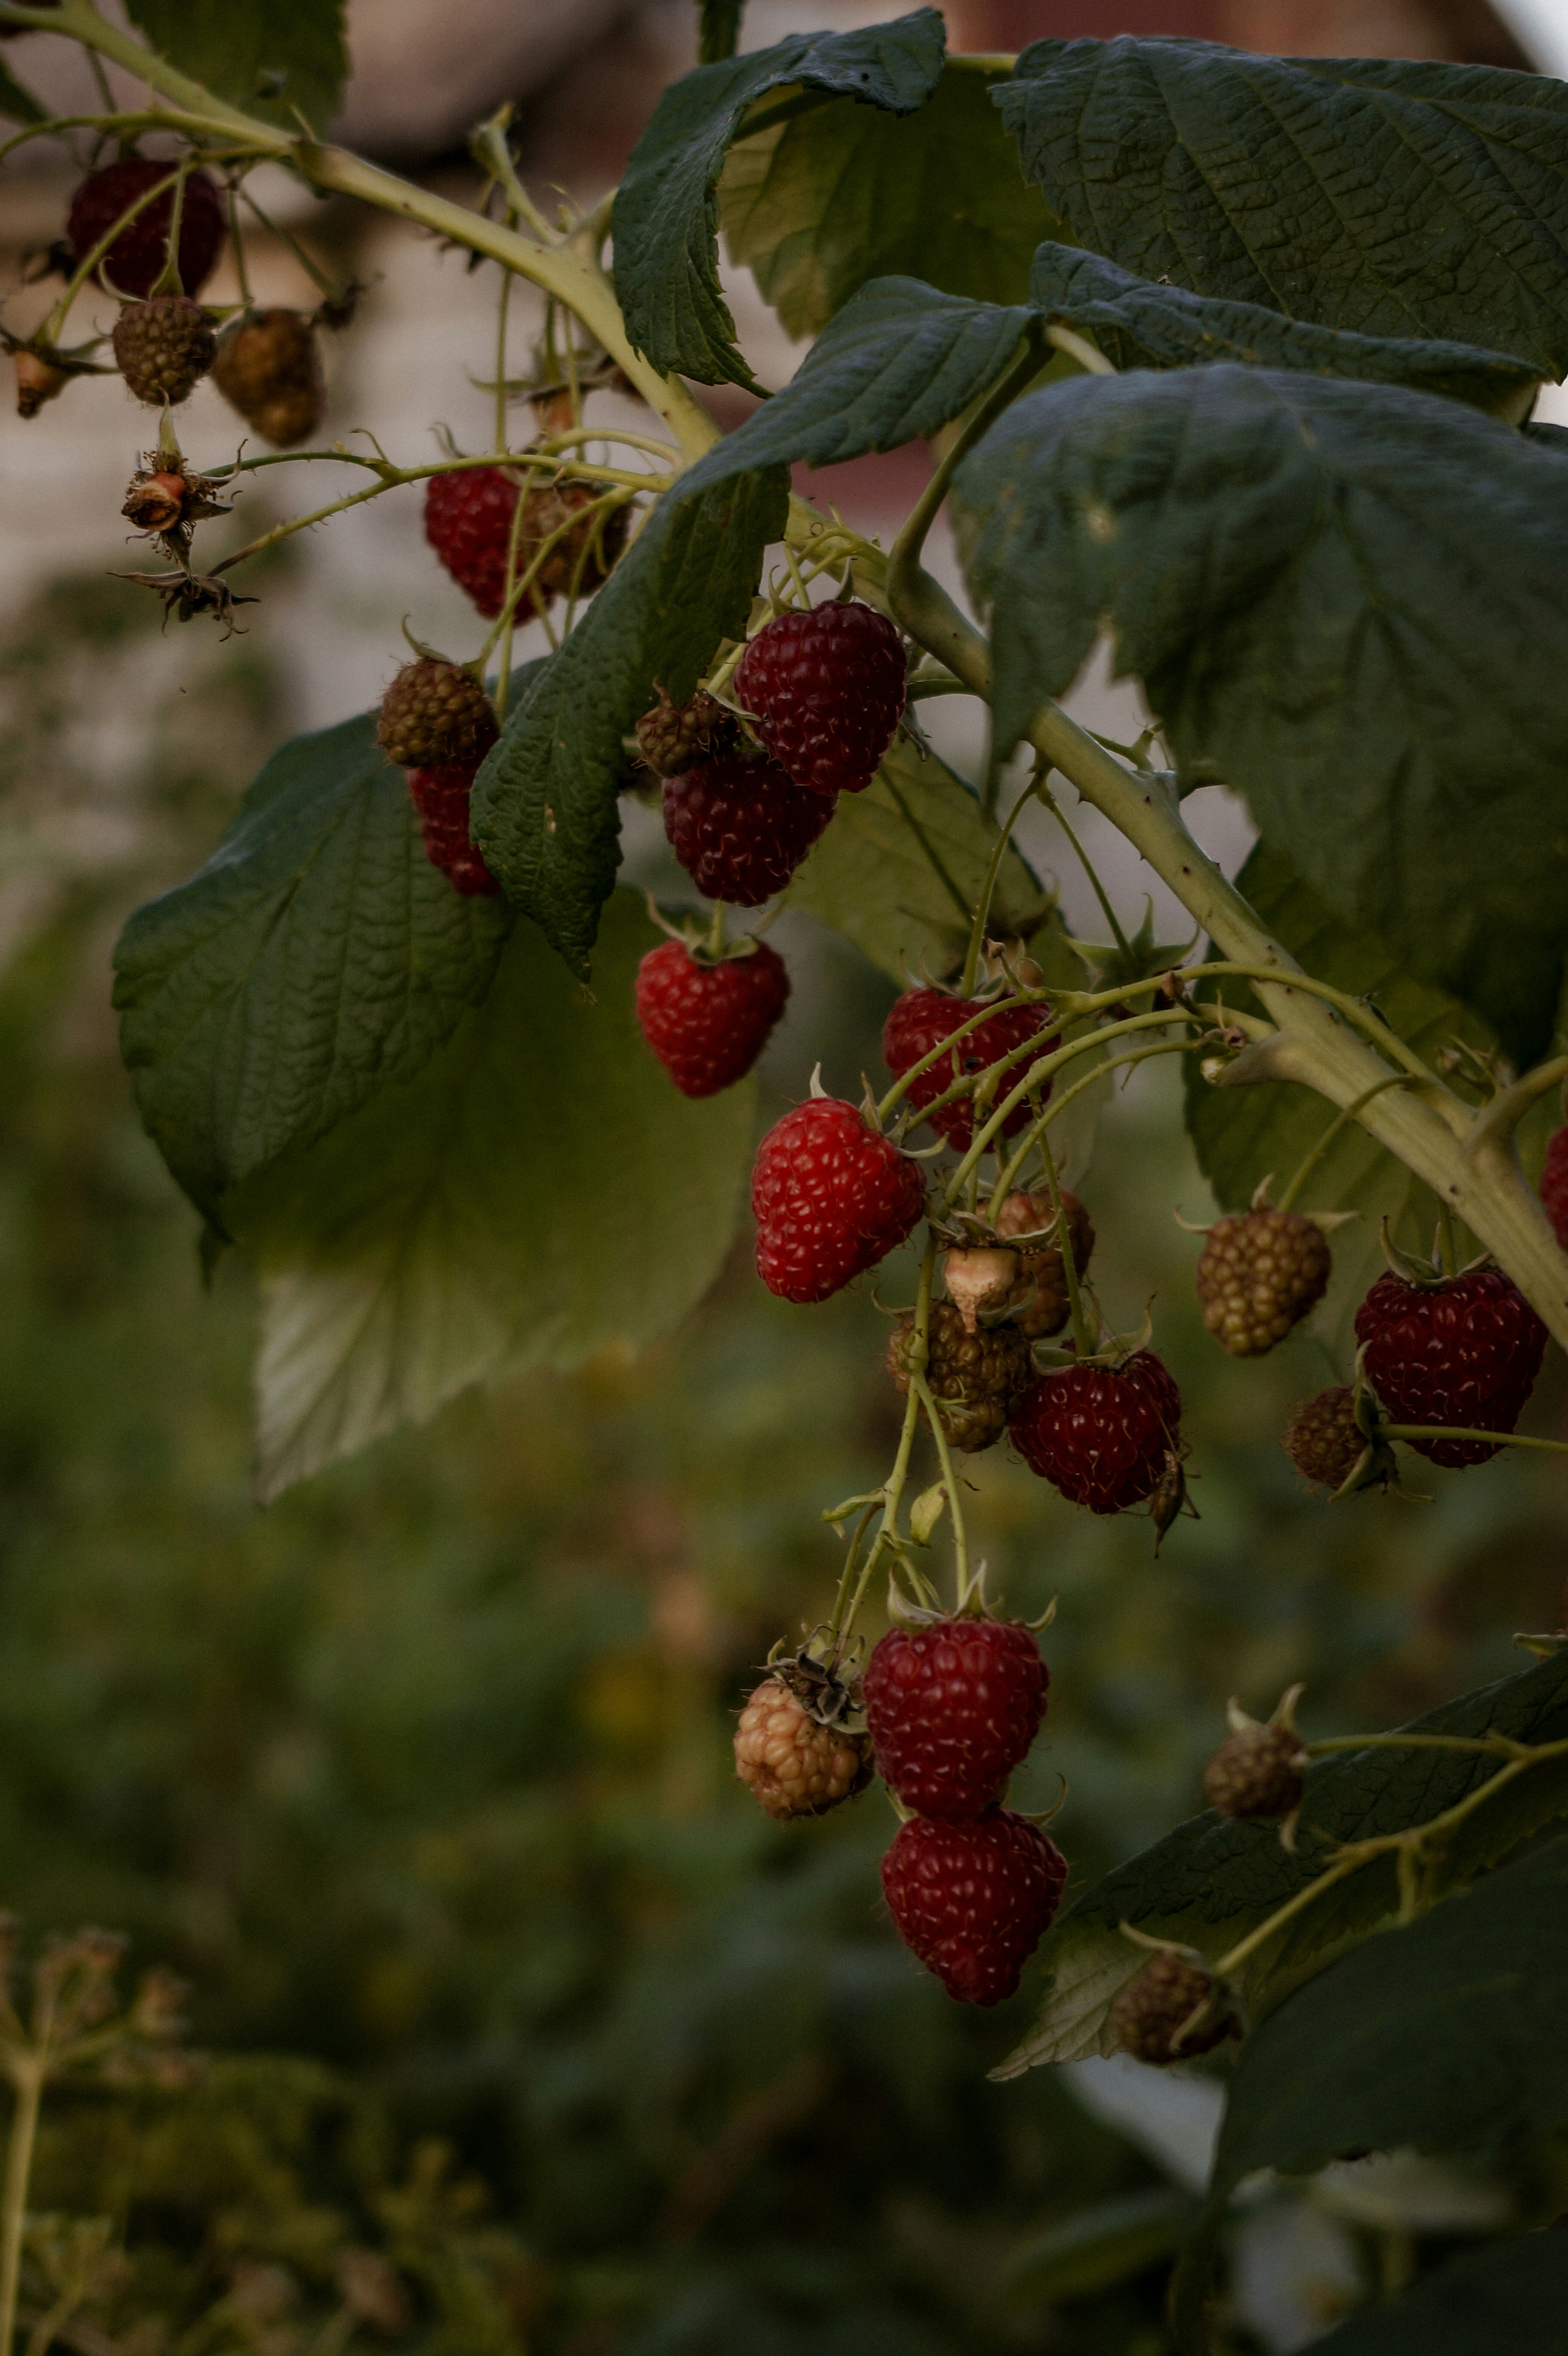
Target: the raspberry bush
(361, 1037)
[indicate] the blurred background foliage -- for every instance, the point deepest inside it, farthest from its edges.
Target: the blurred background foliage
(528, 2031)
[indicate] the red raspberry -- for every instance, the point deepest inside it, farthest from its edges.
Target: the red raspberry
(1554, 1185)
(740, 829)
(922, 1019)
(135, 260)
(1100, 1434)
(973, 1901)
(952, 1708)
(1466, 1351)
(826, 687)
(830, 1198)
(708, 1023)
(441, 797)
(468, 522)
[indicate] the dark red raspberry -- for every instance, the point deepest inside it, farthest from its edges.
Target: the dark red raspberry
(825, 689)
(1323, 1438)
(436, 716)
(164, 347)
(1554, 1185)
(468, 522)
(1466, 1351)
(922, 1019)
(830, 1198)
(740, 829)
(1152, 2010)
(973, 1901)
(1100, 1434)
(952, 1708)
(708, 1023)
(1258, 1274)
(135, 261)
(441, 797)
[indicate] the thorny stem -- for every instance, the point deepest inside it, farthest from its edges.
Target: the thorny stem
(1087, 1341)
(988, 886)
(892, 1492)
(1466, 1431)
(1058, 1104)
(26, 2073)
(1087, 864)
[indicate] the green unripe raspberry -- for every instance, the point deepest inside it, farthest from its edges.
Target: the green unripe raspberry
(1256, 1771)
(1258, 1275)
(164, 347)
(436, 716)
(1151, 2009)
(974, 1378)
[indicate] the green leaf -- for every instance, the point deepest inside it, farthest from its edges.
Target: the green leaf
(898, 361)
(1448, 2034)
(1326, 588)
(316, 958)
(899, 869)
(1138, 325)
(271, 56)
(819, 203)
(1213, 1880)
(1396, 197)
(17, 104)
(1244, 1134)
(480, 1220)
(667, 208)
(1099, 2248)
(544, 807)
(1511, 2297)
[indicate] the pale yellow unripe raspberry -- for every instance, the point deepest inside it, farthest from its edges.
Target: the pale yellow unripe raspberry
(790, 1764)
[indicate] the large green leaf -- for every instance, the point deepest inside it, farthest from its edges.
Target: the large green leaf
(1139, 325)
(1448, 2033)
(1344, 598)
(818, 203)
(316, 958)
(667, 208)
(270, 56)
(1512, 2297)
(1245, 1134)
(900, 361)
(899, 870)
(481, 1220)
(1396, 197)
(1213, 1880)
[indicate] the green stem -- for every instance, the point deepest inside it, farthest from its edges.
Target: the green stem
(1058, 1104)
(1447, 1248)
(922, 1390)
(26, 2073)
(1088, 866)
(1466, 1431)
(893, 1489)
(1087, 1342)
(1340, 1121)
(503, 306)
(987, 888)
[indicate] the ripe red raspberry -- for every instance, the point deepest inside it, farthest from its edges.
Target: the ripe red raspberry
(671, 739)
(1152, 2010)
(1554, 1185)
(973, 1901)
(1466, 1351)
(164, 347)
(708, 1023)
(1040, 1299)
(922, 1019)
(790, 1764)
(1257, 1771)
(973, 1378)
(135, 260)
(825, 688)
(436, 716)
(1323, 1438)
(468, 522)
(953, 1709)
(1258, 1275)
(1100, 1434)
(268, 369)
(830, 1198)
(740, 829)
(441, 797)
